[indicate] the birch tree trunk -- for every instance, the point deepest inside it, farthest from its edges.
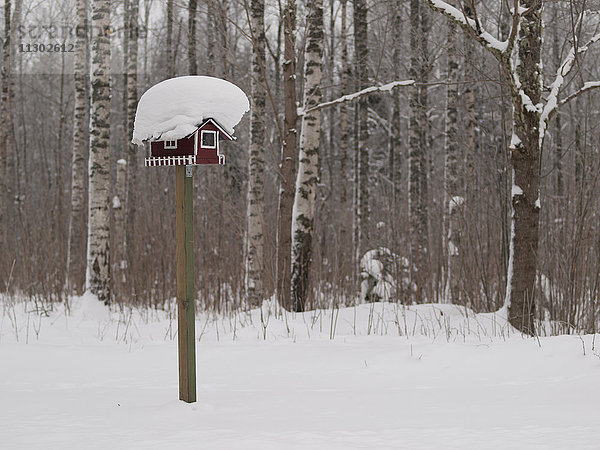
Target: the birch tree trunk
(362, 75)
(288, 159)
(98, 255)
(256, 163)
(454, 199)
(77, 219)
(308, 164)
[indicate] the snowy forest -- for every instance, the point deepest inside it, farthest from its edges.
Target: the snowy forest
(420, 151)
(396, 245)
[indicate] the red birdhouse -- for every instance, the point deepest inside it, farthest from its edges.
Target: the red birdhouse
(200, 147)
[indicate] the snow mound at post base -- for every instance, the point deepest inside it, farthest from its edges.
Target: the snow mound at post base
(174, 108)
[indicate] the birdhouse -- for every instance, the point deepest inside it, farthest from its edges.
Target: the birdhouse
(200, 147)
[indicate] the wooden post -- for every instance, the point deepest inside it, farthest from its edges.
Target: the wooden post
(186, 319)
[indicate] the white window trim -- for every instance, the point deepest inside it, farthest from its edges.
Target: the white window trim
(170, 145)
(202, 138)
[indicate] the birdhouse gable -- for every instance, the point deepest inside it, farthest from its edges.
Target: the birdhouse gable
(213, 125)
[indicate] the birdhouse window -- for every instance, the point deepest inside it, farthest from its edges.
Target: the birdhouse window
(170, 145)
(208, 139)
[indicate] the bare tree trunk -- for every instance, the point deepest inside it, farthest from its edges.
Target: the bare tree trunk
(343, 145)
(98, 254)
(211, 41)
(530, 117)
(558, 122)
(471, 121)
(395, 142)
(306, 183)
(58, 182)
(416, 161)
(118, 203)
(170, 47)
(256, 161)
(525, 158)
(222, 8)
(192, 60)
(125, 50)
(425, 241)
(453, 192)
(362, 74)
(129, 247)
(288, 159)
(77, 218)
(5, 150)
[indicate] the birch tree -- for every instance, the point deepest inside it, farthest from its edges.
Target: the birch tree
(98, 255)
(256, 163)
(531, 114)
(77, 219)
(308, 159)
(287, 168)
(454, 196)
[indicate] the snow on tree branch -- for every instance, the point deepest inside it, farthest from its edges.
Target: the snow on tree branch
(473, 27)
(552, 102)
(349, 97)
(586, 87)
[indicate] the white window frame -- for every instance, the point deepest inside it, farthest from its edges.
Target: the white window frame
(170, 145)
(214, 133)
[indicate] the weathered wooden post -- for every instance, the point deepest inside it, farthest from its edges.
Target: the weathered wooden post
(184, 119)
(186, 311)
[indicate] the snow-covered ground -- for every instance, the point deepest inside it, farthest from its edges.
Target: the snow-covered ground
(375, 376)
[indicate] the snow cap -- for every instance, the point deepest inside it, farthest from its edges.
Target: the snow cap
(175, 108)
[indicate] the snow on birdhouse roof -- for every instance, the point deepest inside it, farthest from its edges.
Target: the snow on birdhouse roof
(175, 108)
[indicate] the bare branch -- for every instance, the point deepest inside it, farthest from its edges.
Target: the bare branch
(552, 102)
(586, 87)
(495, 46)
(349, 97)
(514, 30)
